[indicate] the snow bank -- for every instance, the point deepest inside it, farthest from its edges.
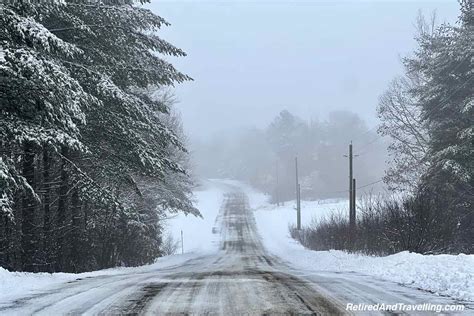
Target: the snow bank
(447, 275)
(15, 285)
(442, 274)
(198, 239)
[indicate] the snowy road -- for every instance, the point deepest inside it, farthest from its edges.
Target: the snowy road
(241, 278)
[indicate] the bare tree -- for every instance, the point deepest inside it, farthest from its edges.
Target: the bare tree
(401, 115)
(401, 121)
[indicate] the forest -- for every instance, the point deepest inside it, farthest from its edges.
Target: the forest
(414, 169)
(92, 151)
(265, 157)
(428, 116)
(94, 156)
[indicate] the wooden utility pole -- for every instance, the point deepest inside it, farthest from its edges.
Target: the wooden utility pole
(351, 211)
(352, 190)
(353, 219)
(182, 243)
(298, 202)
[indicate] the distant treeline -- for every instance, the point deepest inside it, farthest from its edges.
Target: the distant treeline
(266, 157)
(429, 116)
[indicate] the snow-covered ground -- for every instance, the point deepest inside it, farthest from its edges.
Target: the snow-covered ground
(442, 274)
(198, 239)
(197, 232)
(15, 285)
(446, 275)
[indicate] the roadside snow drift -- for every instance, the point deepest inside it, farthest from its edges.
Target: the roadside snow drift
(198, 239)
(16, 285)
(441, 274)
(447, 275)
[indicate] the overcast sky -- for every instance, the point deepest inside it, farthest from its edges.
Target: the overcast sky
(251, 59)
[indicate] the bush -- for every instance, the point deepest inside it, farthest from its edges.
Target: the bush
(419, 223)
(169, 246)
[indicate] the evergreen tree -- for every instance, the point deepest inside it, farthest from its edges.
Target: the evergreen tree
(41, 105)
(77, 142)
(446, 98)
(430, 116)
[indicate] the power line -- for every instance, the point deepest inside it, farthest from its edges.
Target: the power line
(346, 191)
(368, 144)
(369, 184)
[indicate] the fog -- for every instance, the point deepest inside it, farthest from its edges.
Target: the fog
(321, 61)
(266, 157)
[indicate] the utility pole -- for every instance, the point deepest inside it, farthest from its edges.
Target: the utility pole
(182, 243)
(352, 196)
(351, 211)
(353, 221)
(298, 202)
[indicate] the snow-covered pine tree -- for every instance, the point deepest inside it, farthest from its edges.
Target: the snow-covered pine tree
(446, 97)
(125, 135)
(162, 196)
(176, 188)
(41, 106)
(99, 137)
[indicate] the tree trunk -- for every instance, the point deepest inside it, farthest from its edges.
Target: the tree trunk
(62, 218)
(28, 241)
(47, 238)
(76, 232)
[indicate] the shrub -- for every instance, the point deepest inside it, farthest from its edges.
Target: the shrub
(419, 223)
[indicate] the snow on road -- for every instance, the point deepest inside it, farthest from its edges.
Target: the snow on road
(447, 275)
(18, 285)
(197, 232)
(237, 279)
(212, 270)
(198, 240)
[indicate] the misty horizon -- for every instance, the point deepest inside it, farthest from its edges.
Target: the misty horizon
(307, 57)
